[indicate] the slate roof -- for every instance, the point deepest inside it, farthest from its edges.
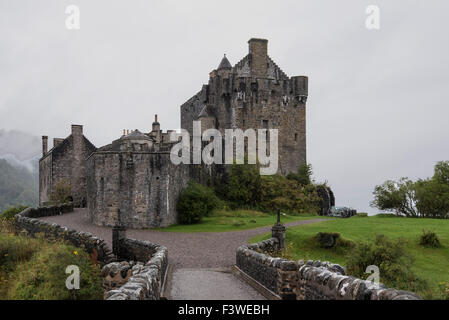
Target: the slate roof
(224, 64)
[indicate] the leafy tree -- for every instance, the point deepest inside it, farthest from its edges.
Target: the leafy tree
(441, 172)
(243, 185)
(424, 198)
(62, 192)
(397, 196)
(304, 175)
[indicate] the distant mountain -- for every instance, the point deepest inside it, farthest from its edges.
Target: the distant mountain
(18, 186)
(23, 146)
(19, 174)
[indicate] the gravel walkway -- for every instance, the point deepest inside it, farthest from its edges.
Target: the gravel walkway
(185, 250)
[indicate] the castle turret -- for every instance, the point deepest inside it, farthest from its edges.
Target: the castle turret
(224, 64)
(300, 88)
(258, 50)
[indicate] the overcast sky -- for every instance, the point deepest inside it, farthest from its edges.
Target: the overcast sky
(378, 99)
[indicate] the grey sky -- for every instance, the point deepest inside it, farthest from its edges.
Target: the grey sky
(378, 100)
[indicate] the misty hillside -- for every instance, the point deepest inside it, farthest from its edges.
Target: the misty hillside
(19, 174)
(18, 186)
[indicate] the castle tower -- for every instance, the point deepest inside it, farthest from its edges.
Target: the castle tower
(255, 93)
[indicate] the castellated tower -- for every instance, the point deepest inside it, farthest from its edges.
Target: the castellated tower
(254, 93)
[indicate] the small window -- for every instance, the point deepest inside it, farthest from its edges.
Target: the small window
(296, 137)
(265, 124)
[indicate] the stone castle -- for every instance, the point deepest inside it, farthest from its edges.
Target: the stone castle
(132, 181)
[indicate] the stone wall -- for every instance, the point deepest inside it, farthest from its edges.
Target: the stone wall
(147, 283)
(150, 261)
(138, 188)
(26, 222)
(311, 280)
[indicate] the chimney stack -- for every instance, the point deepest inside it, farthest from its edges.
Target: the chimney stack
(156, 125)
(57, 141)
(44, 145)
(77, 130)
(258, 50)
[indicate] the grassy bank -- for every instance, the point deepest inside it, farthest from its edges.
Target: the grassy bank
(430, 264)
(34, 269)
(235, 220)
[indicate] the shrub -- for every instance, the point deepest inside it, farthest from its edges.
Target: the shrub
(444, 290)
(429, 239)
(289, 196)
(390, 257)
(195, 202)
(329, 240)
(9, 213)
(62, 192)
(304, 175)
(43, 277)
(242, 186)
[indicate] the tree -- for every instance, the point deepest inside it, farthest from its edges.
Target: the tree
(425, 197)
(397, 196)
(62, 192)
(243, 184)
(441, 172)
(304, 175)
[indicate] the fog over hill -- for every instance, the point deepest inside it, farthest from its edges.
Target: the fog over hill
(20, 149)
(19, 158)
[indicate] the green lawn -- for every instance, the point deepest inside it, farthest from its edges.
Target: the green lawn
(234, 220)
(431, 264)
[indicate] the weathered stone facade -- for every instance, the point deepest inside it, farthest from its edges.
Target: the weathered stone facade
(66, 160)
(255, 94)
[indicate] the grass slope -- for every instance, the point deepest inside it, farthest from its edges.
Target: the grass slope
(234, 220)
(430, 264)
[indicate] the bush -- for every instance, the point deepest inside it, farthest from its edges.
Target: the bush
(242, 186)
(329, 240)
(43, 277)
(195, 202)
(62, 192)
(9, 213)
(390, 257)
(304, 175)
(289, 196)
(429, 239)
(444, 290)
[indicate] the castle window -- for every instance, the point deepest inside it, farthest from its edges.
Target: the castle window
(296, 137)
(265, 124)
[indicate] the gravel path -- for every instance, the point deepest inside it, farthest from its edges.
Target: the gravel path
(200, 262)
(185, 250)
